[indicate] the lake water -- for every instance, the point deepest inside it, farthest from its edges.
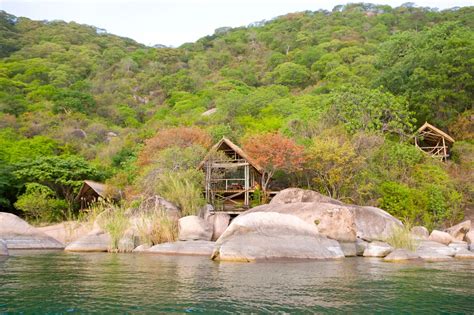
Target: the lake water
(59, 282)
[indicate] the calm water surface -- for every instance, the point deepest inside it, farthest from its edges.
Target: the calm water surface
(59, 282)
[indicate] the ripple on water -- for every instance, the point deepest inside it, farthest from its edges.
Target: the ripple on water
(59, 282)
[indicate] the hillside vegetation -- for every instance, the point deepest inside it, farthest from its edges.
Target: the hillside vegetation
(345, 90)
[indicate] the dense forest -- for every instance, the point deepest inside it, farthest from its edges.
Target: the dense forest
(343, 91)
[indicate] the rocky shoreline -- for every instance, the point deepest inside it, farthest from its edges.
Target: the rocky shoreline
(296, 224)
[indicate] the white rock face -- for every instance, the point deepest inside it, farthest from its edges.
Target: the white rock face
(420, 232)
(458, 231)
(3, 248)
(441, 237)
(66, 232)
(377, 249)
(200, 248)
(193, 228)
(333, 221)
(18, 234)
(95, 241)
(272, 235)
(220, 222)
(374, 224)
(293, 195)
(401, 255)
(458, 245)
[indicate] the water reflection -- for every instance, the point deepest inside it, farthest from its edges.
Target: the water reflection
(67, 282)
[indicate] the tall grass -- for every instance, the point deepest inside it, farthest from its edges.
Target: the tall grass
(115, 223)
(401, 237)
(156, 227)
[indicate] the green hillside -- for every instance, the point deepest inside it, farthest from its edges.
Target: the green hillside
(348, 87)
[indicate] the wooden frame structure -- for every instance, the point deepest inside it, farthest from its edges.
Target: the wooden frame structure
(231, 177)
(90, 192)
(433, 141)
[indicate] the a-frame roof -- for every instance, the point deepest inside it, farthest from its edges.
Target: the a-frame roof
(235, 148)
(426, 125)
(98, 188)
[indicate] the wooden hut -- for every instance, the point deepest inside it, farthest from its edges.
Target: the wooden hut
(90, 192)
(231, 177)
(433, 141)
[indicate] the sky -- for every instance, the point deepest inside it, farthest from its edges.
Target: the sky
(173, 23)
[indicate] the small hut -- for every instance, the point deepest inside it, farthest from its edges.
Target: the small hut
(231, 177)
(90, 192)
(433, 141)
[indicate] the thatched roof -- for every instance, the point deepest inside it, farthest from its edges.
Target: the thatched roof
(235, 148)
(88, 185)
(435, 130)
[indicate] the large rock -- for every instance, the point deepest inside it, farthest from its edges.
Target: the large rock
(374, 224)
(464, 254)
(458, 231)
(66, 232)
(95, 241)
(193, 228)
(271, 235)
(334, 221)
(220, 222)
(3, 248)
(459, 245)
(420, 232)
(18, 234)
(377, 249)
(142, 248)
(400, 255)
(434, 251)
(203, 248)
(441, 237)
(293, 195)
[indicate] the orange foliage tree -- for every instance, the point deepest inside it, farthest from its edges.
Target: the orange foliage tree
(274, 152)
(176, 136)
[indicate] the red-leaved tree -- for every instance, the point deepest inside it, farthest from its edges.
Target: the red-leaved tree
(274, 152)
(176, 136)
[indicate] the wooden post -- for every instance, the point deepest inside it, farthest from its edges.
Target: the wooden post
(246, 185)
(445, 156)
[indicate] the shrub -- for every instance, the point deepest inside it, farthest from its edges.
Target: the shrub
(40, 204)
(115, 222)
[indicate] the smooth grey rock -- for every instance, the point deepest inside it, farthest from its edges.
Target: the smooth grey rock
(464, 254)
(420, 232)
(142, 248)
(3, 248)
(458, 231)
(128, 242)
(377, 249)
(203, 248)
(457, 245)
(206, 211)
(361, 245)
(374, 224)
(18, 234)
(441, 237)
(349, 249)
(434, 251)
(220, 222)
(399, 255)
(293, 195)
(333, 221)
(192, 228)
(66, 232)
(95, 241)
(271, 235)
